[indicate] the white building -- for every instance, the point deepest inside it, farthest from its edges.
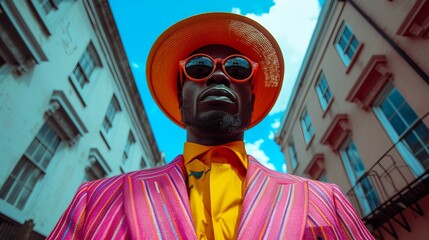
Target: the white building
(70, 110)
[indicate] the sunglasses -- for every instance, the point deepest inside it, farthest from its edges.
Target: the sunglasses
(200, 67)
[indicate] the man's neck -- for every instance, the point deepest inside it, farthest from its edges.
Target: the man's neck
(213, 139)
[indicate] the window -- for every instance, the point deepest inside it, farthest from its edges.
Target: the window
(293, 157)
(143, 163)
(403, 124)
(86, 66)
(306, 126)
(64, 119)
(346, 44)
(128, 145)
(31, 168)
(44, 10)
(112, 111)
(19, 49)
(98, 166)
(416, 22)
(323, 177)
(94, 172)
(46, 5)
(323, 91)
(316, 167)
(84, 69)
(355, 169)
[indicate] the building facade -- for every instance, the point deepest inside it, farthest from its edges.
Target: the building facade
(358, 115)
(70, 110)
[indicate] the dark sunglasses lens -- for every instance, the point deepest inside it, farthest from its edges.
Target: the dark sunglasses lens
(238, 68)
(199, 67)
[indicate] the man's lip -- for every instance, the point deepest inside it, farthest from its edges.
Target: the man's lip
(218, 91)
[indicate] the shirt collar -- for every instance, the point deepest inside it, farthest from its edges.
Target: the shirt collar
(194, 150)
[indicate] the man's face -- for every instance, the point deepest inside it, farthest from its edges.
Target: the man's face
(217, 105)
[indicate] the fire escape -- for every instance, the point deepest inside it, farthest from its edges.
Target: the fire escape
(390, 186)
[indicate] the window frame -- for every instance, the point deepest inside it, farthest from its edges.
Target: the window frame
(416, 167)
(293, 156)
(321, 93)
(41, 145)
(307, 130)
(90, 55)
(143, 163)
(105, 133)
(96, 158)
(128, 147)
(342, 53)
(43, 16)
(353, 177)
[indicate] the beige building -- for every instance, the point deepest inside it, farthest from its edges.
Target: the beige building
(358, 115)
(70, 110)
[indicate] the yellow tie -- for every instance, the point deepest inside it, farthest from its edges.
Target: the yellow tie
(215, 182)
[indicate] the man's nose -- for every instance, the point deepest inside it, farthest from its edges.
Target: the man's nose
(218, 77)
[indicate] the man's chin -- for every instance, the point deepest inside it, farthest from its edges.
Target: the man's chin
(218, 121)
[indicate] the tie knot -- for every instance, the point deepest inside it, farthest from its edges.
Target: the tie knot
(221, 154)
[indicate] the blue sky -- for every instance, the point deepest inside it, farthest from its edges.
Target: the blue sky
(291, 22)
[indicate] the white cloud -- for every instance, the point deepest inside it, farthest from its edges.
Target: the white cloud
(255, 150)
(236, 10)
(271, 135)
(284, 167)
(292, 23)
(135, 65)
(276, 124)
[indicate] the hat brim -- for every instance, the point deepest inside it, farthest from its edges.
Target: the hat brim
(233, 30)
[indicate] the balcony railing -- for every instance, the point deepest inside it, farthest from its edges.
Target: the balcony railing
(9, 229)
(391, 185)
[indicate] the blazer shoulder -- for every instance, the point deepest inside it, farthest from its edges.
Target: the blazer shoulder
(293, 178)
(140, 174)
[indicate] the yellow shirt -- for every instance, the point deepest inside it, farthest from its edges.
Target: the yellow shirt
(216, 177)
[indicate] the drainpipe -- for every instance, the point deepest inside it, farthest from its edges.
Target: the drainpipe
(392, 43)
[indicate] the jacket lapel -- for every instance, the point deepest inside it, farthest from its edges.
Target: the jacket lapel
(274, 205)
(149, 211)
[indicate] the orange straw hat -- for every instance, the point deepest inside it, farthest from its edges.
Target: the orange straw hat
(233, 30)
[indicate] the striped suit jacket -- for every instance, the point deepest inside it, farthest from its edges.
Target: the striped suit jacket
(154, 204)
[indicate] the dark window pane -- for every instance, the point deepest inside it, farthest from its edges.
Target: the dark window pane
(342, 43)
(407, 113)
(18, 168)
(46, 160)
(398, 124)
(396, 98)
(387, 109)
(23, 199)
(350, 52)
(423, 157)
(355, 43)
(32, 147)
(412, 142)
(6, 187)
(15, 192)
(423, 132)
(328, 95)
(347, 33)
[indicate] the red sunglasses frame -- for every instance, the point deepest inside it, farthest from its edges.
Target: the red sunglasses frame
(183, 63)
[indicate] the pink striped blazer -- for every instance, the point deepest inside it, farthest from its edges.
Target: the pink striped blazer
(154, 204)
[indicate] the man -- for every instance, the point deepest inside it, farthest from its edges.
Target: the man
(216, 75)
